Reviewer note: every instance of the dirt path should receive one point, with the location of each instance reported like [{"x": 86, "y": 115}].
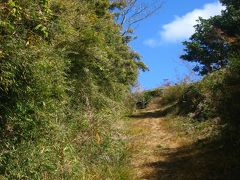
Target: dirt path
[
  {"x": 151, "y": 143},
  {"x": 170, "y": 149}
]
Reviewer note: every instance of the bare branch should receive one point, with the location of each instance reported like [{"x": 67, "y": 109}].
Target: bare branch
[{"x": 134, "y": 11}]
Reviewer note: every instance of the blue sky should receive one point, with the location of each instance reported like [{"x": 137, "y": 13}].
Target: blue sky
[{"x": 160, "y": 36}]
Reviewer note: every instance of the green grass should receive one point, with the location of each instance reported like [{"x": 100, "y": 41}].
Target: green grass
[{"x": 191, "y": 129}]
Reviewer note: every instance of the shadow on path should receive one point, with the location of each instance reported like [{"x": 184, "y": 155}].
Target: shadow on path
[
  {"x": 196, "y": 162},
  {"x": 155, "y": 114},
  {"x": 203, "y": 160}
]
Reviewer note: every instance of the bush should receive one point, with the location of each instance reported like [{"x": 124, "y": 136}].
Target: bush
[
  {"x": 190, "y": 100},
  {"x": 141, "y": 100},
  {"x": 216, "y": 95},
  {"x": 65, "y": 71},
  {"x": 172, "y": 94},
  {"x": 222, "y": 91}
]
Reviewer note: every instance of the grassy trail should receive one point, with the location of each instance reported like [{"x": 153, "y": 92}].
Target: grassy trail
[
  {"x": 163, "y": 152},
  {"x": 151, "y": 142}
]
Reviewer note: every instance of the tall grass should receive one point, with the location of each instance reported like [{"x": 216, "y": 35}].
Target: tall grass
[{"x": 64, "y": 74}]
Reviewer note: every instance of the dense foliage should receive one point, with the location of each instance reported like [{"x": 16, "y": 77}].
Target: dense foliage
[
  {"x": 215, "y": 40},
  {"x": 215, "y": 47},
  {"x": 65, "y": 71}
]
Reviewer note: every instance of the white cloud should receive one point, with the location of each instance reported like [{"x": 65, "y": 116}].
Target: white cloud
[{"x": 182, "y": 27}]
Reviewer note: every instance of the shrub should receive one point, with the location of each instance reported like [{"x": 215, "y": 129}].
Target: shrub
[
  {"x": 190, "y": 99},
  {"x": 65, "y": 70},
  {"x": 142, "y": 99},
  {"x": 172, "y": 94},
  {"x": 216, "y": 95},
  {"x": 222, "y": 90}
]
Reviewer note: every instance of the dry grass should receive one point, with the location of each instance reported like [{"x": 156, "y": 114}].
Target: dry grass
[
  {"x": 147, "y": 136},
  {"x": 170, "y": 148}
]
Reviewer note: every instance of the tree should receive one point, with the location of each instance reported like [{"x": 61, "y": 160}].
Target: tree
[
  {"x": 214, "y": 40},
  {"x": 206, "y": 48},
  {"x": 233, "y": 3},
  {"x": 130, "y": 12}
]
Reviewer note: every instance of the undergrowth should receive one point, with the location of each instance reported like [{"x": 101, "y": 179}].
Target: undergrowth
[{"x": 65, "y": 72}]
